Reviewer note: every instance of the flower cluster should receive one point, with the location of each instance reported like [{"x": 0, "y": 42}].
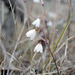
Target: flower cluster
[{"x": 32, "y": 33}]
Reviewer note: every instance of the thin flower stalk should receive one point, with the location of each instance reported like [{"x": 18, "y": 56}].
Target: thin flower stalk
[{"x": 50, "y": 51}]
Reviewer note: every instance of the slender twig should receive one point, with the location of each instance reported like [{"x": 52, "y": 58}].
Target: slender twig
[
  {"x": 64, "y": 44},
  {"x": 54, "y": 26},
  {"x": 43, "y": 33},
  {"x": 53, "y": 59},
  {"x": 50, "y": 51},
  {"x": 69, "y": 14},
  {"x": 12, "y": 12},
  {"x": 2, "y": 18},
  {"x": 18, "y": 40}
]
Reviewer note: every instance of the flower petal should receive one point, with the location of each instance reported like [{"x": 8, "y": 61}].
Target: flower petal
[
  {"x": 41, "y": 49},
  {"x": 31, "y": 34},
  {"x": 36, "y": 22},
  {"x": 38, "y": 48}
]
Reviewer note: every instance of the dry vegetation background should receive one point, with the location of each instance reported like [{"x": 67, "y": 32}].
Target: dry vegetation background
[{"x": 16, "y": 50}]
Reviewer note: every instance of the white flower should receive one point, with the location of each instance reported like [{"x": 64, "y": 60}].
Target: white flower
[
  {"x": 38, "y": 48},
  {"x": 31, "y": 34},
  {"x": 36, "y": 22},
  {"x": 36, "y": 1}
]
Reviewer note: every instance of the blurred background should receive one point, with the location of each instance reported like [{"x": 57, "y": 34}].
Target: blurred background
[{"x": 16, "y": 50}]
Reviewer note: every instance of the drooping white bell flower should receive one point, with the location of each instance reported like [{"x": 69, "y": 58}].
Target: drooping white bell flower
[
  {"x": 36, "y": 23},
  {"x": 38, "y": 48},
  {"x": 31, "y": 34}
]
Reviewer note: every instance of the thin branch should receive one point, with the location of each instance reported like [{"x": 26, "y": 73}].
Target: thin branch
[{"x": 50, "y": 52}]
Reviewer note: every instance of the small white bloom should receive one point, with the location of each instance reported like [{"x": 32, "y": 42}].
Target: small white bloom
[
  {"x": 36, "y": 22},
  {"x": 36, "y": 1},
  {"x": 31, "y": 34},
  {"x": 38, "y": 48}
]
